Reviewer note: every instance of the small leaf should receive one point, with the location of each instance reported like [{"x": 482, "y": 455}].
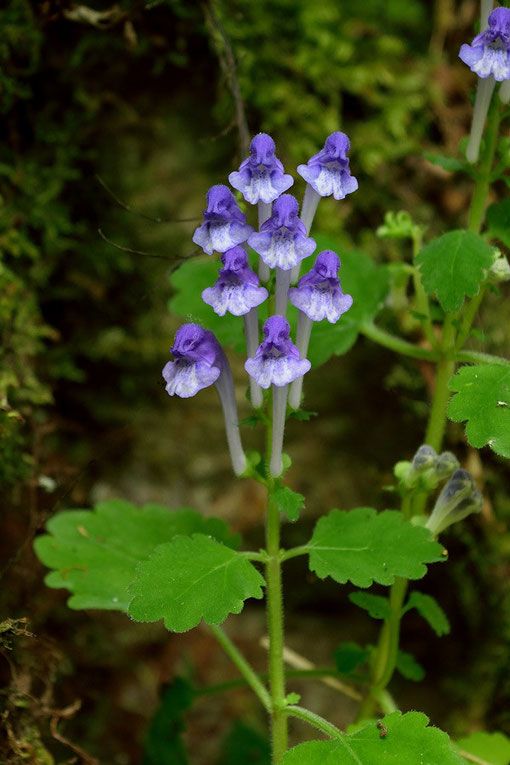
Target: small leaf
[
  {"x": 429, "y": 608},
  {"x": 292, "y": 698},
  {"x": 453, "y": 266},
  {"x": 163, "y": 742},
  {"x": 288, "y": 501},
  {"x": 492, "y": 748},
  {"x": 302, "y": 414},
  {"x": 409, "y": 667},
  {"x": 447, "y": 163},
  {"x": 498, "y": 221},
  {"x": 408, "y": 739},
  {"x": 348, "y": 656},
  {"x": 94, "y": 553},
  {"x": 377, "y": 606},
  {"x": 244, "y": 745},
  {"x": 192, "y": 578},
  {"x": 364, "y": 546},
  {"x": 483, "y": 399}
]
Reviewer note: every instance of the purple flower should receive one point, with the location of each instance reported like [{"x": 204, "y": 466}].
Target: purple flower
[
  {"x": 198, "y": 363},
  {"x": 318, "y": 293},
  {"x": 224, "y": 224},
  {"x": 277, "y": 360},
  {"x": 328, "y": 171},
  {"x": 236, "y": 289},
  {"x": 282, "y": 241},
  {"x": 261, "y": 177},
  {"x": 489, "y": 53}
]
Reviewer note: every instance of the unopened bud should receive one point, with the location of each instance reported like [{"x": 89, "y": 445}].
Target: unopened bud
[
  {"x": 458, "y": 499},
  {"x": 446, "y": 464},
  {"x": 424, "y": 459},
  {"x": 500, "y": 270}
]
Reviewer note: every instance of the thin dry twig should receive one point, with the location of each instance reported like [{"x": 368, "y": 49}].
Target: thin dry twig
[
  {"x": 141, "y": 214},
  {"x": 66, "y": 713},
  {"x": 297, "y": 661},
  {"x": 229, "y": 68}
]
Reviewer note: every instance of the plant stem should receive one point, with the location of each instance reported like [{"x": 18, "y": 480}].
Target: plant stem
[
  {"x": 244, "y": 668},
  {"x": 483, "y": 176},
  {"x": 445, "y": 369},
  {"x": 294, "y": 552},
  {"x": 397, "y": 344},
  {"x": 275, "y": 631},
  {"x": 316, "y": 720},
  {"x": 302, "y": 674}
]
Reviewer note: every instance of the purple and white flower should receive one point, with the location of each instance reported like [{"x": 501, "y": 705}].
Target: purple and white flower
[
  {"x": 277, "y": 360},
  {"x": 328, "y": 171},
  {"x": 200, "y": 362},
  {"x": 224, "y": 224},
  {"x": 236, "y": 289},
  {"x": 319, "y": 294},
  {"x": 489, "y": 53},
  {"x": 282, "y": 241},
  {"x": 261, "y": 177}
]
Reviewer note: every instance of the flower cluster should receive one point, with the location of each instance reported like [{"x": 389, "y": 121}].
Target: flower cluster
[{"x": 281, "y": 242}]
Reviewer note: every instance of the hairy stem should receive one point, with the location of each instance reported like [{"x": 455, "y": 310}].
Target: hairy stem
[
  {"x": 244, "y": 668},
  {"x": 316, "y": 720}
]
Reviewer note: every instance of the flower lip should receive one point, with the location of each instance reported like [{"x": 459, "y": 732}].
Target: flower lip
[
  {"x": 235, "y": 262},
  {"x": 277, "y": 360},
  {"x": 194, "y": 343},
  {"x": 285, "y": 213},
  {"x": 327, "y": 172},
  {"x": 489, "y": 52},
  {"x": 261, "y": 177},
  {"x": 499, "y": 24},
  {"x": 222, "y": 205},
  {"x": 262, "y": 148},
  {"x": 327, "y": 264}
]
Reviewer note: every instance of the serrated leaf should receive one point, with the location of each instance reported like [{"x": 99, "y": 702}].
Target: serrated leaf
[
  {"x": 409, "y": 667},
  {"x": 348, "y": 656},
  {"x": 192, "y": 578},
  {"x": 498, "y": 221},
  {"x": 95, "y": 552},
  {"x": 163, "y": 742},
  {"x": 288, "y": 501},
  {"x": 408, "y": 739},
  {"x": 447, "y": 163},
  {"x": 429, "y": 608},
  {"x": 245, "y": 745},
  {"x": 377, "y": 606},
  {"x": 363, "y": 546},
  {"x": 492, "y": 748},
  {"x": 483, "y": 400},
  {"x": 453, "y": 266}
]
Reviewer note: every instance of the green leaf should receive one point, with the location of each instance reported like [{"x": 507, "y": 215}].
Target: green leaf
[
  {"x": 163, "y": 742},
  {"x": 368, "y": 285},
  {"x": 429, "y": 608},
  {"x": 288, "y": 501},
  {"x": 364, "y": 546},
  {"x": 447, "y": 163},
  {"x": 409, "y": 667},
  {"x": 405, "y": 739},
  {"x": 492, "y": 748},
  {"x": 498, "y": 221},
  {"x": 483, "y": 400},
  {"x": 244, "y": 745},
  {"x": 453, "y": 266},
  {"x": 377, "y": 606},
  {"x": 94, "y": 553},
  {"x": 348, "y": 656},
  {"x": 192, "y": 578}
]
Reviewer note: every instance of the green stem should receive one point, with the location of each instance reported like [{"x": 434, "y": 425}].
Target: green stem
[
  {"x": 316, "y": 720},
  {"x": 483, "y": 175},
  {"x": 422, "y": 299},
  {"x": 445, "y": 370},
  {"x": 397, "y": 344},
  {"x": 475, "y": 357},
  {"x": 244, "y": 668},
  {"x": 294, "y": 552},
  {"x": 469, "y": 316},
  {"x": 301, "y": 674}
]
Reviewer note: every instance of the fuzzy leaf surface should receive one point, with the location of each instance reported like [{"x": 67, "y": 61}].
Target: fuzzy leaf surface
[
  {"x": 192, "y": 578},
  {"x": 363, "y": 546},
  {"x": 483, "y": 400},
  {"x": 409, "y": 739},
  {"x": 492, "y": 748},
  {"x": 377, "y": 606},
  {"x": 94, "y": 553},
  {"x": 288, "y": 501},
  {"x": 453, "y": 265},
  {"x": 429, "y": 608}
]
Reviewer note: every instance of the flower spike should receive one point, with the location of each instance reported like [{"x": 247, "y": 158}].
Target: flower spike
[
  {"x": 224, "y": 224},
  {"x": 261, "y": 177},
  {"x": 200, "y": 362}
]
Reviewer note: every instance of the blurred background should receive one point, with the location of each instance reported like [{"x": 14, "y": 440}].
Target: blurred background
[{"x": 145, "y": 105}]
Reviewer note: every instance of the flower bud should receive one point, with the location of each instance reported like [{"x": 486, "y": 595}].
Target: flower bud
[
  {"x": 458, "y": 499},
  {"x": 446, "y": 464}
]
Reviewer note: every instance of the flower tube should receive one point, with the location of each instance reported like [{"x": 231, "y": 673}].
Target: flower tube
[
  {"x": 200, "y": 362},
  {"x": 318, "y": 296},
  {"x": 237, "y": 291},
  {"x": 261, "y": 179},
  {"x": 277, "y": 362},
  {"x": 282, "y": 244},
  {"x": 458, "y": 499},
  {"x": 224, "y": 224},
  {"x": 326, "y": 173},
  {"x": 488, "y": 56}
]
